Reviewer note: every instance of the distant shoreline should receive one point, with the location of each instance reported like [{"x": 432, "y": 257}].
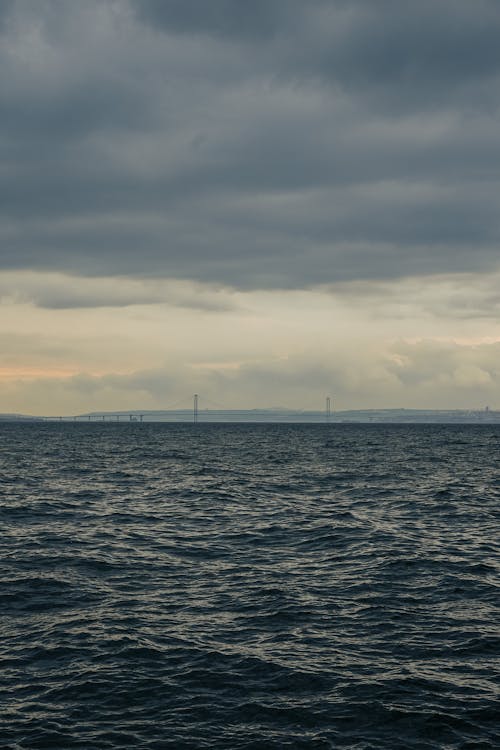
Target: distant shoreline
[{"x": 359, "y": 416}]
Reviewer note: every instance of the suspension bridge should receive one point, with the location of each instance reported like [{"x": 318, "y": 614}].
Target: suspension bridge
[{"x": 196, "y": 409}]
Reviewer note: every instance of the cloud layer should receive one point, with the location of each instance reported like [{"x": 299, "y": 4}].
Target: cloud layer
[
  {"x": 274, "y": 144},
  {"x": 71, "y": 344},
  {"x": 404, "y": 375},
  {"x": 262, "y": 201}
]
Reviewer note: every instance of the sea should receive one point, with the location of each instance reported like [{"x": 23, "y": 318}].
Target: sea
[{"x": 249, "y": 586}]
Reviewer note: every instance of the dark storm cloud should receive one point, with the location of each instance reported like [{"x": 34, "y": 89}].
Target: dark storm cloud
[
  {"x": 5, "y": 9},
  {"x": 421, "y": 50},
  {"x": 254, "y": 20},
  {"x": 409, "y": 54},
  {"x": 269, "y": 144}
]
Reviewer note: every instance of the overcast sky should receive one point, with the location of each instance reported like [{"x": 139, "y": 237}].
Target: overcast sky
[{"x": 266, "y": 202}]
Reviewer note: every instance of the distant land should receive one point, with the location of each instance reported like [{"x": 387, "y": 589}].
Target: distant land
[{"x": 460, "y": 416}]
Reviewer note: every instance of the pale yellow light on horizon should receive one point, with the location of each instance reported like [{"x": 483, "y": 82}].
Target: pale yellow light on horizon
[{"x": 406, "y": 342}]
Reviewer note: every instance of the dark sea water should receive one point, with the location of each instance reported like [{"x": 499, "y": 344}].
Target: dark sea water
[{"x": 249, "y": 586}]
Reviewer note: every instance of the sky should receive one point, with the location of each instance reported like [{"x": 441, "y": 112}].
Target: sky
[{"x": 264, "y": 202}]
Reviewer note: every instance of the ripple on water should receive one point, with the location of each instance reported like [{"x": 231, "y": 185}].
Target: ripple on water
[{"x": 249, "y": 586}]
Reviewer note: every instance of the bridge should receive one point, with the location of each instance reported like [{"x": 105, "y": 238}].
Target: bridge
[{"x": 211, "y": 411}]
